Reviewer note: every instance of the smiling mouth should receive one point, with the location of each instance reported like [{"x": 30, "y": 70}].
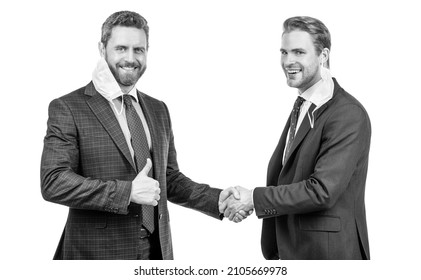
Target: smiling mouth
[
  {"x": 293, "y": 71},
  {"x": 127, "y": 68}
]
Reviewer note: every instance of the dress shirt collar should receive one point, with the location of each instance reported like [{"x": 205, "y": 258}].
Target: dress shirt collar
[{"x": 322, "y": 91}]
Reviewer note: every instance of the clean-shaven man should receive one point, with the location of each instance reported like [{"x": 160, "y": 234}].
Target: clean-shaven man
[{"x": 313, "y": 206}]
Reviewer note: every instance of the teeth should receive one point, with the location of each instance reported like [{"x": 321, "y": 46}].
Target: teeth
[
  {"x": 128, "y": 68},
  {"x": 293, "y": 71}
]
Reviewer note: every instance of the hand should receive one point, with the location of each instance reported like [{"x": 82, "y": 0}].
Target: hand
[
  {"x": 145, "y": 190},
  {"x": 227, "y": 193},
  {"x": 226, "y": 199},
  {"x": 241, "y": 215}
]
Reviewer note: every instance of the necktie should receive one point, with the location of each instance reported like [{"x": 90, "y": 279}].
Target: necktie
[
  {"x": 293, "y": 124},
  {"x": 141, "y": 153}
]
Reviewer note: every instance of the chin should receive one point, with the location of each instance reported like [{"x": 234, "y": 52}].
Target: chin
[
  {"x": 293, "y": 84},
  {"x": 128, "y": 81}
]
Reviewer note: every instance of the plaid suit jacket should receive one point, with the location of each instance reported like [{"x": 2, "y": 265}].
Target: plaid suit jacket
[{"x": 86, "y": 165}]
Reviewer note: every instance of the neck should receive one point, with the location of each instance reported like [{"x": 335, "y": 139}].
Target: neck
[
  {"x": 301, "y": 90},
  {"x": 126, "y": 89}
]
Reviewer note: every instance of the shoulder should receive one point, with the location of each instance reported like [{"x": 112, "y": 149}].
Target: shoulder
[
  {"x": 345, "y": 103},
  {"x": 345, "y": 115},
  {"x": 153, "y": 103},
  {"x": 149, "y": 99},
  {"x": 79, "y": 94},
  {"x": 72, "y": 102},
  {"x": 156, "y": 109},
  {"x": 88, "y": 89}
]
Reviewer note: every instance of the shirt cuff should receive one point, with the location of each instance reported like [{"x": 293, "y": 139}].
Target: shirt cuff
[{"x": 252, "y": 199}]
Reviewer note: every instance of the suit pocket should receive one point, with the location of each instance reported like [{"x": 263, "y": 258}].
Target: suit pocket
[{"x": 320, "y": 223}]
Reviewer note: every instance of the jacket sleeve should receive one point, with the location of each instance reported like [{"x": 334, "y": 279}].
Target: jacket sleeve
[
  {"x": 345, "y": 138},
  {"x": 185, "y": 192},
  {"x": 60, "y": 169}
]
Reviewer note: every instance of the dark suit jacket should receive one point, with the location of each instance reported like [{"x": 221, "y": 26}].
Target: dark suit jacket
[
  {"x": 86, "y": 165},
  {"x": 313, "y": 207}
]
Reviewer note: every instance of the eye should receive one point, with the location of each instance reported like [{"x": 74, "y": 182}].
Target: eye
[
  {"x": 299, "y": 52},
  {"x": 120, "y": 48},
  {"x": 139, "y": 50},
  {"x": 283, "y": 52}
]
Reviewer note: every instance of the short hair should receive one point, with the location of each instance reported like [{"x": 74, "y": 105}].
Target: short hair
[
  {"x": 313, "y": 26},
  {"x": 123, "y": 18}
]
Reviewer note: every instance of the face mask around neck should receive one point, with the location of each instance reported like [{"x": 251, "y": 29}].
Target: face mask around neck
[{"x": 106, "y": 84}]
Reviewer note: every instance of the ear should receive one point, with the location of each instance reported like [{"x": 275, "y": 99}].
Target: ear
[
  {"x": 101, "y": 49},
  {"x": 324, "y": 56}
]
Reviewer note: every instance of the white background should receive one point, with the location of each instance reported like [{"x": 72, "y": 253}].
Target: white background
[{"x": 216, "y": 64}]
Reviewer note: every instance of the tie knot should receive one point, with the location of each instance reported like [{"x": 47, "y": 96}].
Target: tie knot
[
  {"x": 298, "y": 102},
  {"x": 127, "y": 99}
]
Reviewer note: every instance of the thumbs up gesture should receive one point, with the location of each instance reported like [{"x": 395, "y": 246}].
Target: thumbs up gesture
[{"x": 145, "y": 190}]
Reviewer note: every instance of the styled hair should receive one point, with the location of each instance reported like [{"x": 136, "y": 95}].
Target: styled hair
[
  {"x": 316, "y": 28},
  {"x": 123, "y": 18}
]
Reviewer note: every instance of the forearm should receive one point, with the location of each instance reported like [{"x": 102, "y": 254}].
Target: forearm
[
  {"x": 62, "y": 178},
  {"x": 302, "y": 197},
  {"x": 70, "y": 189},
  {"x": 185, "y": 192},
  {"x": 335, "y": 163}
]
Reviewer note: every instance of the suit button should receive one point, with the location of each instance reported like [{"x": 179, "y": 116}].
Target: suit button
[{"x": 136, "y": 215}]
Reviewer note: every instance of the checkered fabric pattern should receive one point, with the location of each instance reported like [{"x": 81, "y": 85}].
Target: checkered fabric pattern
[{"x": 86, "y": 165}]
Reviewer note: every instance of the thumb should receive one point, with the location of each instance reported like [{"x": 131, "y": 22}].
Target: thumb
[
  {"x": 236, "y": 192},
  {"x": 222, "y": 206},
  {"x": 224, "y": 195},
  {"x": 228, "y": 192},
  {"x": 147, "y": 167}
]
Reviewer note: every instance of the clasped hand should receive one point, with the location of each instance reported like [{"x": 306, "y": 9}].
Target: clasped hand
[{"x": 236, "y": 203}]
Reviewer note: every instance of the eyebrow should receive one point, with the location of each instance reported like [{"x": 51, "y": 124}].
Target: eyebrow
[
  {"x": 294, "y": 50},
  {"x": 134, "y": 47}
]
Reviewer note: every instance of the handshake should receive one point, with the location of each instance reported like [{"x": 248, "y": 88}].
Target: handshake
[{"x": 236, "y": 203}]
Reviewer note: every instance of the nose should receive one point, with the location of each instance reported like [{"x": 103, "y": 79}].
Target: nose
[
  {"x": 130, "y": 56},
  {"x": 287, "y": 59}
]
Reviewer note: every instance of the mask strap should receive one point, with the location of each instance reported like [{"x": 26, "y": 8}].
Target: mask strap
[
  {"x": 311, "y": 118},
  {"x": 122, "y": 106}
]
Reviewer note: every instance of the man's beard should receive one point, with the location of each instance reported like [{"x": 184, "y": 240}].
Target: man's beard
[{"x": 127, "y": 78}]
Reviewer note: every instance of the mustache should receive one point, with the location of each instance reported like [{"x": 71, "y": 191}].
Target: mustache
[{"x": 130, "y": 64}]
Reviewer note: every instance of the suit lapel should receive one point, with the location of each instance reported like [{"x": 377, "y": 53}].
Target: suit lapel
[
  {"x": 102, "y": 109},
  {"x": 275, "y": 163},
  {"x": 305, "y": 125},
  {"x": 302, "y": 131},
  {"x": 152, "y": 125}
]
